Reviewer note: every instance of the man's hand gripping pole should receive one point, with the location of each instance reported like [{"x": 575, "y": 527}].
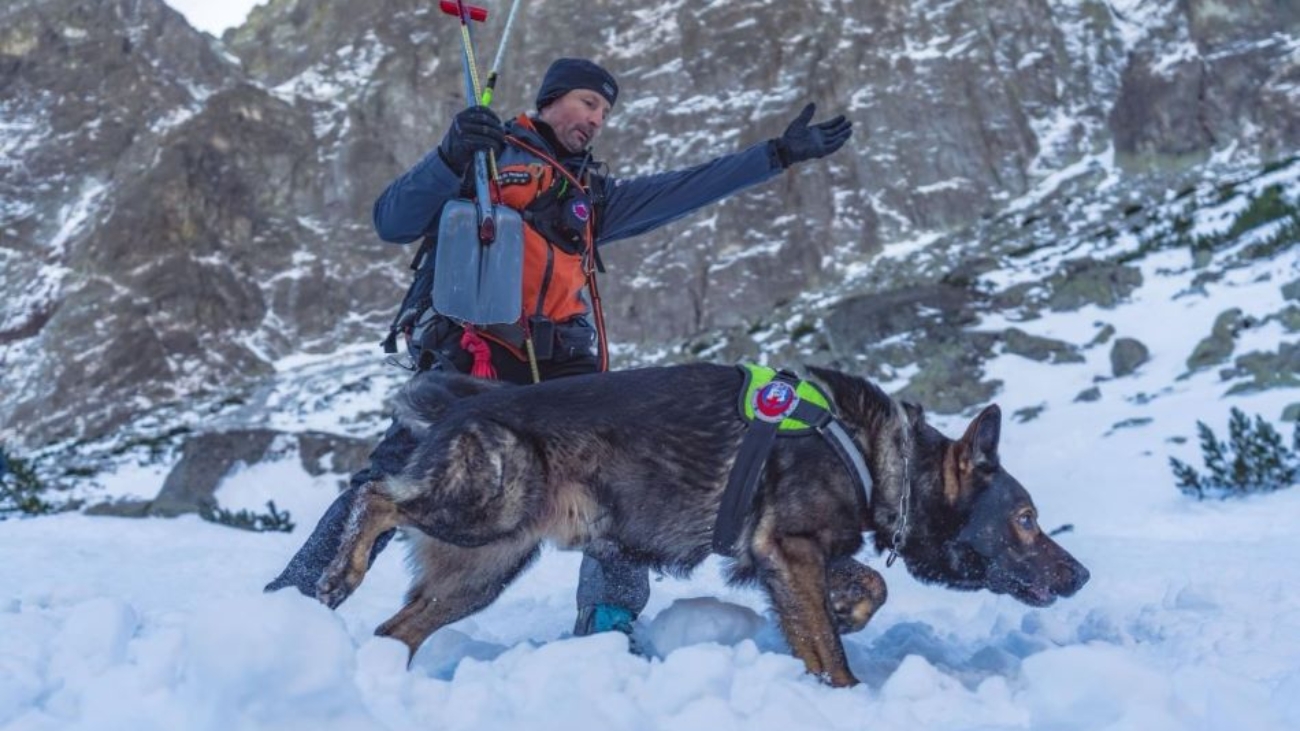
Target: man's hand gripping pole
[{"x": 470, "y": 13}]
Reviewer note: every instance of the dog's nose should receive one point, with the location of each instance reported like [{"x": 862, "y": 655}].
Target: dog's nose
[{"x": 1078, "y": 577}]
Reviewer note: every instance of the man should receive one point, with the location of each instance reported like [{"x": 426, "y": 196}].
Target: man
[{"x": 570, "y": 209}]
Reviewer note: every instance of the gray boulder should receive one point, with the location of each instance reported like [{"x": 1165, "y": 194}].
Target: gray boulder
[
  {"x": 1219, "y": 345},
  {"x": 205, "y": 461},
  {"x": 1126, "y": 355},
  {"x": 1043, "y": 350}
]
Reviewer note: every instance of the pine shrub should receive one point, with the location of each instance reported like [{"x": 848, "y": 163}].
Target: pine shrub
[
  {"x": 21, "y": 491},
  {"x": 1269, "y": 206},
  {"x": 1253, "y": 460},
  {"x": 271, "y": 521}
]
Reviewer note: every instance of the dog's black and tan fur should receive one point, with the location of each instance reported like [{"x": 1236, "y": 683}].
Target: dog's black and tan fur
[{"x": 636, "y": 461}]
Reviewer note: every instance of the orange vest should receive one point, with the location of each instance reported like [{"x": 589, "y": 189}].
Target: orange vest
[{"x": 553, "y": 278}]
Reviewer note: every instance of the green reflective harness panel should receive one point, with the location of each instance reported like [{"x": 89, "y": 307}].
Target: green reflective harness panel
[
  {"x": 758, "y": 377},
  {"x": 777, "y": 403}
]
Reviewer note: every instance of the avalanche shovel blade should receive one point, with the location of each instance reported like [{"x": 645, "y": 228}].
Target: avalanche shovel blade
[{"x": 482, "y": 284}]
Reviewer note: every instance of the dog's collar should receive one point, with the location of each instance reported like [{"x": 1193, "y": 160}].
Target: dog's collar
[
  {"x": 899, "y": 536},
  {"x": 779, "y": 403}
]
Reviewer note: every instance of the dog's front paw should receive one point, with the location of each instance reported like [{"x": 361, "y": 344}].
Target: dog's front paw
[
  {"x": 335, "y": 586},
  {"x": 854, "y": 592}
]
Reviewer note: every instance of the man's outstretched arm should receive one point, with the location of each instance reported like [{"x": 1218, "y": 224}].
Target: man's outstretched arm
[{"x": 637, "y": 205}]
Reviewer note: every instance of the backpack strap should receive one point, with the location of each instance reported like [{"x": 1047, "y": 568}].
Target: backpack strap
[{"x": 415, "y": 302}]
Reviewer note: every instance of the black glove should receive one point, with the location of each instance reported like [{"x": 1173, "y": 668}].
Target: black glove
[
  {"x": 474, "y": 129},
  {"x": 803, "y": 142}
]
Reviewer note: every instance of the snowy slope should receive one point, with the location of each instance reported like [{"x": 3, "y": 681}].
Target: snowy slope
[{"x": 1191, "y": 620}]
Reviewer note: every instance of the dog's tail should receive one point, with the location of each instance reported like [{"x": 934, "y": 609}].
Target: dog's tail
[{"x": 425, "y": 399}]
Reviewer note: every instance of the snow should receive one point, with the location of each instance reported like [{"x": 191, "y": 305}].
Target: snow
[
  {"x": 1191, "y": 620},
  {"x": 1046, "y": 187},
  {"x": 212, "y": 17},
  {"x": 75, "y": 215},
  {"x": 648, "y": 30},
  {"x": 244, "y": 488},
  {"x": 956, "y": 183},
  {"x": 1136, "y": 19},
  {"x": 1183, "y": 53},
  {"x": 133, "y": 481},
  {"x": 180, "y": 115},
  {"x": 113, "y": 623},
  {"x": 331, "y": 80}
]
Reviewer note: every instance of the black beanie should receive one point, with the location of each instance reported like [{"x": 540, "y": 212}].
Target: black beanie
[{"x": 567, "y": 74}]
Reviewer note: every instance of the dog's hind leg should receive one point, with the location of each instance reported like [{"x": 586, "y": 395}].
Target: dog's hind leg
[
  {"x": 372, "y": 513},
  {"x": 454, "y": 582},
  {"x": 793, "y": 570},
  {"x": 855, "y": 592}
]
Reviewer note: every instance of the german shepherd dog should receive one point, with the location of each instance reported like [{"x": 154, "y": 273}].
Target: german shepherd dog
[{"x": 637, "y": 461}]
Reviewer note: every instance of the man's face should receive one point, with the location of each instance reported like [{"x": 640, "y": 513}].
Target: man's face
[{"x": 576, "y": 117}]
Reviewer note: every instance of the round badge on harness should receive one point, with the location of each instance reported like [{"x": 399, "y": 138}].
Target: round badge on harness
[{"x": 775, "y": 401}]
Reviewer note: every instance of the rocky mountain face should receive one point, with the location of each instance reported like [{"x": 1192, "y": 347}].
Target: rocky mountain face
[{"x": 179, "y": 214}]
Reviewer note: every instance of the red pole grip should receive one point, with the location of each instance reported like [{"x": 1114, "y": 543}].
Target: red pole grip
[{"x": 451, "y": 7}]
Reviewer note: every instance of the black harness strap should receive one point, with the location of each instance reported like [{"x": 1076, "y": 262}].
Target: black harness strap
[{"x": 742, "y": 484}]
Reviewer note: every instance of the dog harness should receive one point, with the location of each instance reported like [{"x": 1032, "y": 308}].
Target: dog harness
[{"x": 778, "y": 403}]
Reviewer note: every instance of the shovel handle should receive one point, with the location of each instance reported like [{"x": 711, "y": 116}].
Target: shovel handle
[{"x": 487, "y": 229}]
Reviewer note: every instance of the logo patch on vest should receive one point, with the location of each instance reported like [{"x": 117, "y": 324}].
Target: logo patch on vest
[
  {"x": 580, "y": 210},
  {"x": 515, "y": 177},
  {"x": 774, "y": 401}
]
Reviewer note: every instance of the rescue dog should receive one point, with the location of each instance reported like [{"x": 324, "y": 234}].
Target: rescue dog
[{"x": 637, "y": 461}]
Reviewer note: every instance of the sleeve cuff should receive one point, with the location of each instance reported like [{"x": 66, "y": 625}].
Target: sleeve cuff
[{"x": 778, "y": 153}]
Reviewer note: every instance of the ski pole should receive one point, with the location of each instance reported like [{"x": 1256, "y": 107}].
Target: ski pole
[
  {"x": 501, "y": 52},
  {"x": 487, "y": 230}
]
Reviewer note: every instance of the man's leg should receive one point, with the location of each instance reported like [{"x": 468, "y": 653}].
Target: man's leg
[
  {"x": 612, "y": 591},
  {"x": 307, "y": 565},
  {"x": 612, "y": 588}
]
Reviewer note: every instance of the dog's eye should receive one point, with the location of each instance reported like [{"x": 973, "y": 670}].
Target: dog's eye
[{"x": 1026, "y": 521}]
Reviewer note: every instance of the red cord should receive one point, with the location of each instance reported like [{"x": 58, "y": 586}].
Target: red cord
[{"x": 476, "y": 346}]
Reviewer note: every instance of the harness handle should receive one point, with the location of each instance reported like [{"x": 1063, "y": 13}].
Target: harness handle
[{"x": 774, "y": 403}]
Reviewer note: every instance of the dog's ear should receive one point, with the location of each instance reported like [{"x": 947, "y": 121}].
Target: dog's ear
[
  {"x": 981, "y": 438},
  {"x": 976, "y": 452},
  {"x": 915, "y": 414},
  {"x": 841, "y": 385},
  {"x": 837, "y": 381},
  {"x": 855, "y": 396}
]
